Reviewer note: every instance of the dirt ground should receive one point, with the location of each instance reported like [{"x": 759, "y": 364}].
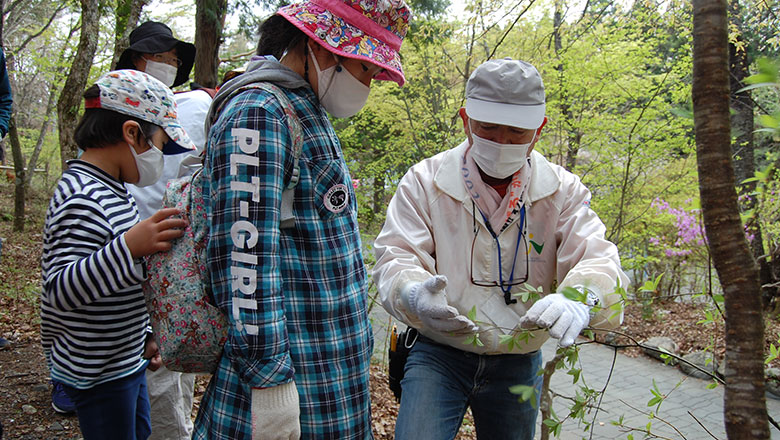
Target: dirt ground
[{"x": 25, "y": 405}]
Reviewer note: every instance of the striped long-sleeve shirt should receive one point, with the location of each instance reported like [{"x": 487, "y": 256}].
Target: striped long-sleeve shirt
[
  {"x": 93, "y": 316},
  {"x": 295, "y": 297}
]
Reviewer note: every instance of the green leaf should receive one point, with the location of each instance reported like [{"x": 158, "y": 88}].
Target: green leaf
[
  {"x": 574, "y": 294},
  {"x": 757, "y": 85},
  {"x": 682, "y": 112},
  {"x": 508, "y": 340},
  {"x": 526, "y": 393},
  {"x": 575, "y": 374},
  {"x": 769, "y": 121},
  {"x": 472, "y": 315},
  {"x": 767, "y": 73}
]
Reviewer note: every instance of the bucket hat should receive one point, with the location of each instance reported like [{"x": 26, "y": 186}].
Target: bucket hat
[
  {"x": 134, "y": 93},
  {"x": 155, "y": 37},
  {"x": 372, "y": 30},
  {"x": 506, "y": 92}
]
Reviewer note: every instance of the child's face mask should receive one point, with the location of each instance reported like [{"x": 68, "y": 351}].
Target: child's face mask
[{"x": 149, "y": 163}]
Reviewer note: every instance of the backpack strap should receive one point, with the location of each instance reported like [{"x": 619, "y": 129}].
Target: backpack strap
[{"x": 296, "y": 134}]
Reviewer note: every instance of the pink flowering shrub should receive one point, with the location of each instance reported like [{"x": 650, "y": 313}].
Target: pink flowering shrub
[
  {"x": 677, "y": 247},
  {"x": 689, "y": 231}
]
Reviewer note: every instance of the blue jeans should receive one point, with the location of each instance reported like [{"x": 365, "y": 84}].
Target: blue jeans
[
  {"x": 440, "y": 382},
  {"x": 118, "y": 409}
]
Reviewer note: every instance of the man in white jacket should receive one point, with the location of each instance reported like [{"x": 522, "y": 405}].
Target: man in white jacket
[{"x": 467, "y": 229}]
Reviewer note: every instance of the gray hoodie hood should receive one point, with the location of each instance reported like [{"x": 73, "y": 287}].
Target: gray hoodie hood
[{"x": 260, "y": 69}]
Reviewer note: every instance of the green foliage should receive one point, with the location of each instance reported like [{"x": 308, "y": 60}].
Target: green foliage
[
  {"x": 657, "y": 399},
  {"x": 767, "y": 77},
  {"x": 774, "y": 352},
  {"x": 473, "y": 339},
  {"x": 526, "y": 293},
  {"x": 527, "y": 393}
]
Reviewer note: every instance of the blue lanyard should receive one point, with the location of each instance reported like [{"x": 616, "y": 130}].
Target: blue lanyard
[{"x": 507, "y": 290}]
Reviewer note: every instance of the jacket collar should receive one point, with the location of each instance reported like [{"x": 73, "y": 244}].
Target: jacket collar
[{"x": 544, "y": 180}]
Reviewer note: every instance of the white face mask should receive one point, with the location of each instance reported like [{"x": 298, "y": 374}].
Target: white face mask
[
  {"x": 339, "y": 91},
  {"x": 163, "y": 72},
  {"x": 150, "y": 165},
  {"x": 499, "y": 160}
]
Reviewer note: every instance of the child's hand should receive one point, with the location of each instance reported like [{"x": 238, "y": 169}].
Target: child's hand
[
  {"x": 152, "y": 353},
  {"x": 155, "y": 233}
]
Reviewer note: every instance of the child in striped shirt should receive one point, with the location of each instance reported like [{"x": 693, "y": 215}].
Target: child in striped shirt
[{"x": 93, "y": 316}]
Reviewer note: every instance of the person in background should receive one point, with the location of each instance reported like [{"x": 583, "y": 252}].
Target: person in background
[
  {"x": 296, "y": 362},
  {"x": 154, "y": 50},
  {"x": 6, "y": 106},
  {"x": 93, "y": 314},
  {"x": 466, "y": 230}
]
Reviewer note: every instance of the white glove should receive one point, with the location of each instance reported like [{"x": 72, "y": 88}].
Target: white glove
[
  {"x": 276, "y": 413},
  {"x": 428, "y": 301},
  {"x": 565, "y": 318}
]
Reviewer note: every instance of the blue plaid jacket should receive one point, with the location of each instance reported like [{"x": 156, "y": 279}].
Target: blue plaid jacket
[{"x": 296, "y": 298}]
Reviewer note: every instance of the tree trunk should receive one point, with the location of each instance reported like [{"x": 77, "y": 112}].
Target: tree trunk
[
  {"x": 2, "y": 19},
  {"x": 209, "y": 22},
  {"x": 744, "y": 400},
  {"x": 127, "y": 14},
  {"x": 20, "y": 188},
  {"x": 743, "y": 146},
  {"x": 573, "y": 136},
  {"x": 70, "y": 98},
  {"x": 32, "y": 163}
]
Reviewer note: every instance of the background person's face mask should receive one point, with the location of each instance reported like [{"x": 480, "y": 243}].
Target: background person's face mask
[
  {"x": 339, "y": 91},
  {"x": 499, "y": 160},
  {"x": 150, "y": 165},
  {"x": 163, "y": 72}
]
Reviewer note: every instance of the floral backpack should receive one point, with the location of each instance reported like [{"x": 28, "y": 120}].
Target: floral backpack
[{"x": 190, "y": 330}]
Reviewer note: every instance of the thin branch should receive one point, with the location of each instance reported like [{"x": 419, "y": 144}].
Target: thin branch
[
  {"x": 13, "y": 6},
  {"x": 238, "y": 56},
  {"x": 501, "y": 41},
  {"x": 647, "y": 347},
  {"x": 603, "y": 390},
  {"x": 654, "y": 416},
  {"x": 702, "y": 425},
  {"x": 42, "y": 30}
]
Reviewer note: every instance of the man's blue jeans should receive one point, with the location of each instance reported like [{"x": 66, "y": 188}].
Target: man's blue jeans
[
  {"x": 441, "y": 382},
  {"x": 118, "y": 409}
]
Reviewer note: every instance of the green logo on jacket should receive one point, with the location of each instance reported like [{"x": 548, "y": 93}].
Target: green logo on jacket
[{"x": 537, "y": 246}]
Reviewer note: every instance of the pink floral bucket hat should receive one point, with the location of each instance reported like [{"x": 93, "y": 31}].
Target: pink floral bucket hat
[{"x": 361, "y": 29}]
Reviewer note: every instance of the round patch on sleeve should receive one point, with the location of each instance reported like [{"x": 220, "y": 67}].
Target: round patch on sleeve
[{"x": 336, "y": 198}]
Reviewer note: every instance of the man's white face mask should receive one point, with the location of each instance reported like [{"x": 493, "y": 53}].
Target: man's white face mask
[
  {"x": 339, "y": 91},
  {"x": 499, "y": 160},
  {"x": 161, "y": 71}
]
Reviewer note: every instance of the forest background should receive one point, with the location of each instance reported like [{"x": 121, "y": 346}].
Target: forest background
[{"x": 618, "y": 78}]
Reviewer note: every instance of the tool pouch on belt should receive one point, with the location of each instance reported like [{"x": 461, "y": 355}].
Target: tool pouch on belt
[{"x": 400, "y": 346}]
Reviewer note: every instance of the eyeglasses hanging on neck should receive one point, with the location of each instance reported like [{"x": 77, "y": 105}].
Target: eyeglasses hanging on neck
[{"x": 504, "y": 285}]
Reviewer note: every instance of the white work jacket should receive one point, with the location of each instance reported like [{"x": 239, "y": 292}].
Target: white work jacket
[{"x": 430, "y": 229}]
